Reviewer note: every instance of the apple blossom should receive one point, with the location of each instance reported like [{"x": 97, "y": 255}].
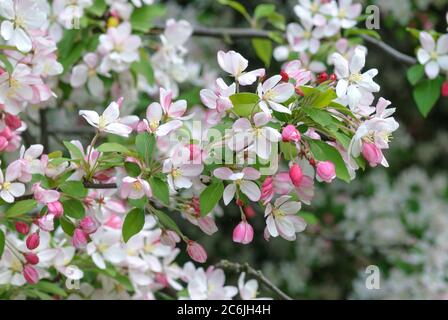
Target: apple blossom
[
  {"x": 234, "y": 63},
  {"x": 242, "y": 181},
  {"x": 9, "y": 189},
  {"x": 243, "y": 233},
  {"x": 290, "y": 134},
  {"x": 433, "y": 56},
  {"x": 296, "y": 174},
  {"x": 272, "y": 93},
  {"x": 325, "y": 171},
  {"x": 134, "y": 188},
  {"x": 109, "y": 121},
  {"x": 282, "y": 218}
]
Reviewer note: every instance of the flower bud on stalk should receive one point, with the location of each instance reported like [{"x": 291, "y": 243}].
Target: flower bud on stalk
[
  {"x": 243, "y": 233},
  {"x": 79, "y": 239},
  {"x": 196, "y": 251},
  {"x": 372, "y": 154},
  {"x": 290, "y": 133},
  {"x": 326, "y": 171},
  {"x": 30, "y": 274},
  {"x": 22, "y": 228},
  {"x": 31, "y": 258},
  {"x": 296, "y": 174},
  {"x": 55, "y": 208},
  {"x": 33, "y": 240},
  {"x": 445, "y": 89}
]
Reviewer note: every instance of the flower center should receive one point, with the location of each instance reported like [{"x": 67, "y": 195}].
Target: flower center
[
  {"x": 153, "y": 125},
  {"x": 176, "y": 173},
  {"x": 102, "y": 123},
  {"x": 6, "y": 186},
  {"x": 278, "y": 213},
  {"x": 137, "y": 186},
  {"x": 19, "y": 22},
  {"x": 342, "y": 13},
  {"x": 434, "y": 55},
  {"x": 355, "y": 77}
]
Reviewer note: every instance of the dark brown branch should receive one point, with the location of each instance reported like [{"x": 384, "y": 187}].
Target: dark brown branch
[
  {"x": 397, "y": 55},
  {"x": 238, "y": 268}
]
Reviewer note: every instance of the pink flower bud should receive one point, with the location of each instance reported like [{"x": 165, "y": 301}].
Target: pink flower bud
[
  {"x": 169, "y": 238},
  {"x": 55, "y": 208},
  {"x": 13, "y": 121},
  {"x": 31, "y": 258},
  {"x": 30, "y": 274},
  {"x": 44, "y": 196},
  {"x": 296, "y": 174},
  {"x": 249, "y": 211},
  {"x": 6, "y": 133},
  {"x": 267, "y": 190},
  {"x": 46, "y": 222},
  {"x": 114, "y": 222},
  {"x": 196, "y": 251},
  {"x": 326, "y": 171},
  {"x": 372, "y": 154},
  {"x": 445, "y": 89},
  {"x": 3, "y": 143},
  {"x": 88, "y": 225},
  {"x": 290, "y": 133},
  {"x": 33, "y": 240},
  {"x": 79, "y": 239},
  {"x": 243, "y": 233},
  {"x": 22, "y": 228}
]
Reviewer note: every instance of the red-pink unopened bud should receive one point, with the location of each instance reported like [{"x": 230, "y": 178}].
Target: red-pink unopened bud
[
  {"x": 296, "y": 174},
  {"x": 30, "y": 274},
  {"x": 55, "y": 208},
  {"x": 196, "y": 252},
  {"x": 33, "y": 240},
  {"x": 267, "y": 189},
  {"x": 88, "y": 225},
  {"x": 169, "y": 238},
  {"x": 22, "y": 228},
  {"x": 3, "y": 143},
  {"x": 79, "y": 239},
  {"x": 249, "y": 211},
  {"x": 6, "y": 133},
  {"x": 372, "y": 154},
  {"x": 13, "y": 121},
  {"x": 326, "y": 171},
  {"x": 31, "y": 258},
  {"x": 243, "y": 233},
  {"x": 445, "y": 89},
  {"x": 290, "y": 133}
]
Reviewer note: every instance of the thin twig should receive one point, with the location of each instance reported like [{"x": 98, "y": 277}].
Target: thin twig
[
  {"x": 391, "y": 51},
  {"x": 238, "y": 268},
  {"x": 201, "y": 31}
]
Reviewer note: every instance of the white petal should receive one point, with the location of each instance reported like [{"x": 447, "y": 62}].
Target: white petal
[{"x": 251, "y": 190}]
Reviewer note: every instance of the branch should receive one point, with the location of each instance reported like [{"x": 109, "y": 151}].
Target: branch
[
  {"x": 391, "y": 51},
  {"x": 238, "y": 268},
  {"x": 235, "y": 33},
  {"x": 88, "y": 185}
]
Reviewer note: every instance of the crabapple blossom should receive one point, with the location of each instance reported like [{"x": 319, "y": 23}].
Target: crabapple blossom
[
  {"x": 290, "y": 134},
  {"x": 242, "y": 181},
  {"x": 433, "y": 56},
  {"x": 243, "y": 233},
  {"x": 108, "y": 122},
  {"x": 234, "y": 63},
  {"x": 87, "y": 73},
  {"x": 304, "y": 37},
  {"x": 272, "y": 93},
  {"x": 134, "y": 188},
  {"x": 325, "y": 171},
  {"x": 343, "y": 15},
  {"x": 282, "y": 218},
  {"x": 196, "y": 252},
  {"x": 8, "y": 188}
]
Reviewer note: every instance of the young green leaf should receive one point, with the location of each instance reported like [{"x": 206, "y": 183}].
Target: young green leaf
[
  {"x": 112, "y": 147},
  {"x": 145, "y": 143},
  {"x": 67, "y": 226},
  {"x": 74, "y": 150},
  {"x": 2, "y": 243},
  {"x": 415, "y": 73},
  {"x": 245, "y": 103},
  {"x": 142, "y": 18},
  {"x": 74, "y": 188},
  {"x": 166, "y": 221},
  {"x": 132, "y": 169},
  {"x": 263, "y": 49},
  {"x": 426, "y": 94},
  {"x": 20, "y": 207},
  {"x": 210, "y": 197},
  {"x": 160, "y": 189},
  {"x": 133, "y": 223},
  {"x": 74, "y": 208}
]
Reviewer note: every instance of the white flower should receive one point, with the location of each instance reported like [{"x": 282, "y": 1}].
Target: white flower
[
  {"x": 272, "y": 94},
  {"x": 8, "y": 189},
  {"x": 20, "y": 18},
  {"x": 344, "y": 15},
  {"x": 262, "y": 135},
  {"x": 106, "y": 246},
  {"x": 282, "y": 218},
  {"x": 433, "y": 57},
  {"x": 304, "y": 37},
  {"x": 210, "y": 286},
  {"x": 119, "y": 47},
  {"x": 234, "y": 63},
  {"x": 248, "y": 290},
  {"x": 180, "y": 169},
  {"x": 87, "y": 73},
  {"x": 353, "y": 87},
  {"x": 109, "y": 121},
  {"x": 311, "y": 10},
  {"x": 243, "y": 180}
]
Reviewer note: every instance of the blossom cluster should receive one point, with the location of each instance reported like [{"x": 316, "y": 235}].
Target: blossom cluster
[{"x": 116, "y": 203}]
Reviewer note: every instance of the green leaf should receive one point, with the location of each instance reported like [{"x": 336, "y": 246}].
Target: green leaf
[
  {"x": 113, "y": 147},
  {"x": 2, "y": 243},
  {"x": 415, "y": 73},
  {"x": 166, "y": 221},
  {"x": 133, "y": 223},
  {"x": 289, "y": 150},
  {"x": 210, "y": 197},
  {"x": 67, "y": 226},
  {"x": 73, "y": 208},
  {"x": 426, "y": 94},
  {"x": 318, "y": 97},
  {"x": 98, "y": 8},
  {"x": 74, "y": 189},
  {"x": 309, "y": 217},
  {"x": 132, "y": 169},
  {"x": 263, "y": 49},
  {"x": 236, "y": 6},
  {"x": 160, "y": 189},
  {"x": 20, "y": 207},
  {"x": 145, "y": 143},
  {"x": 74, "y": 151},
  {"x": 51, "y": 288},
  {"x": 245, "y": 103},
  {"x": 319, "y": 116},
  {"x": 142, "y": 18},
  {"x": 324, "y": 152},
  {"x": 264, "y": 10}
]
